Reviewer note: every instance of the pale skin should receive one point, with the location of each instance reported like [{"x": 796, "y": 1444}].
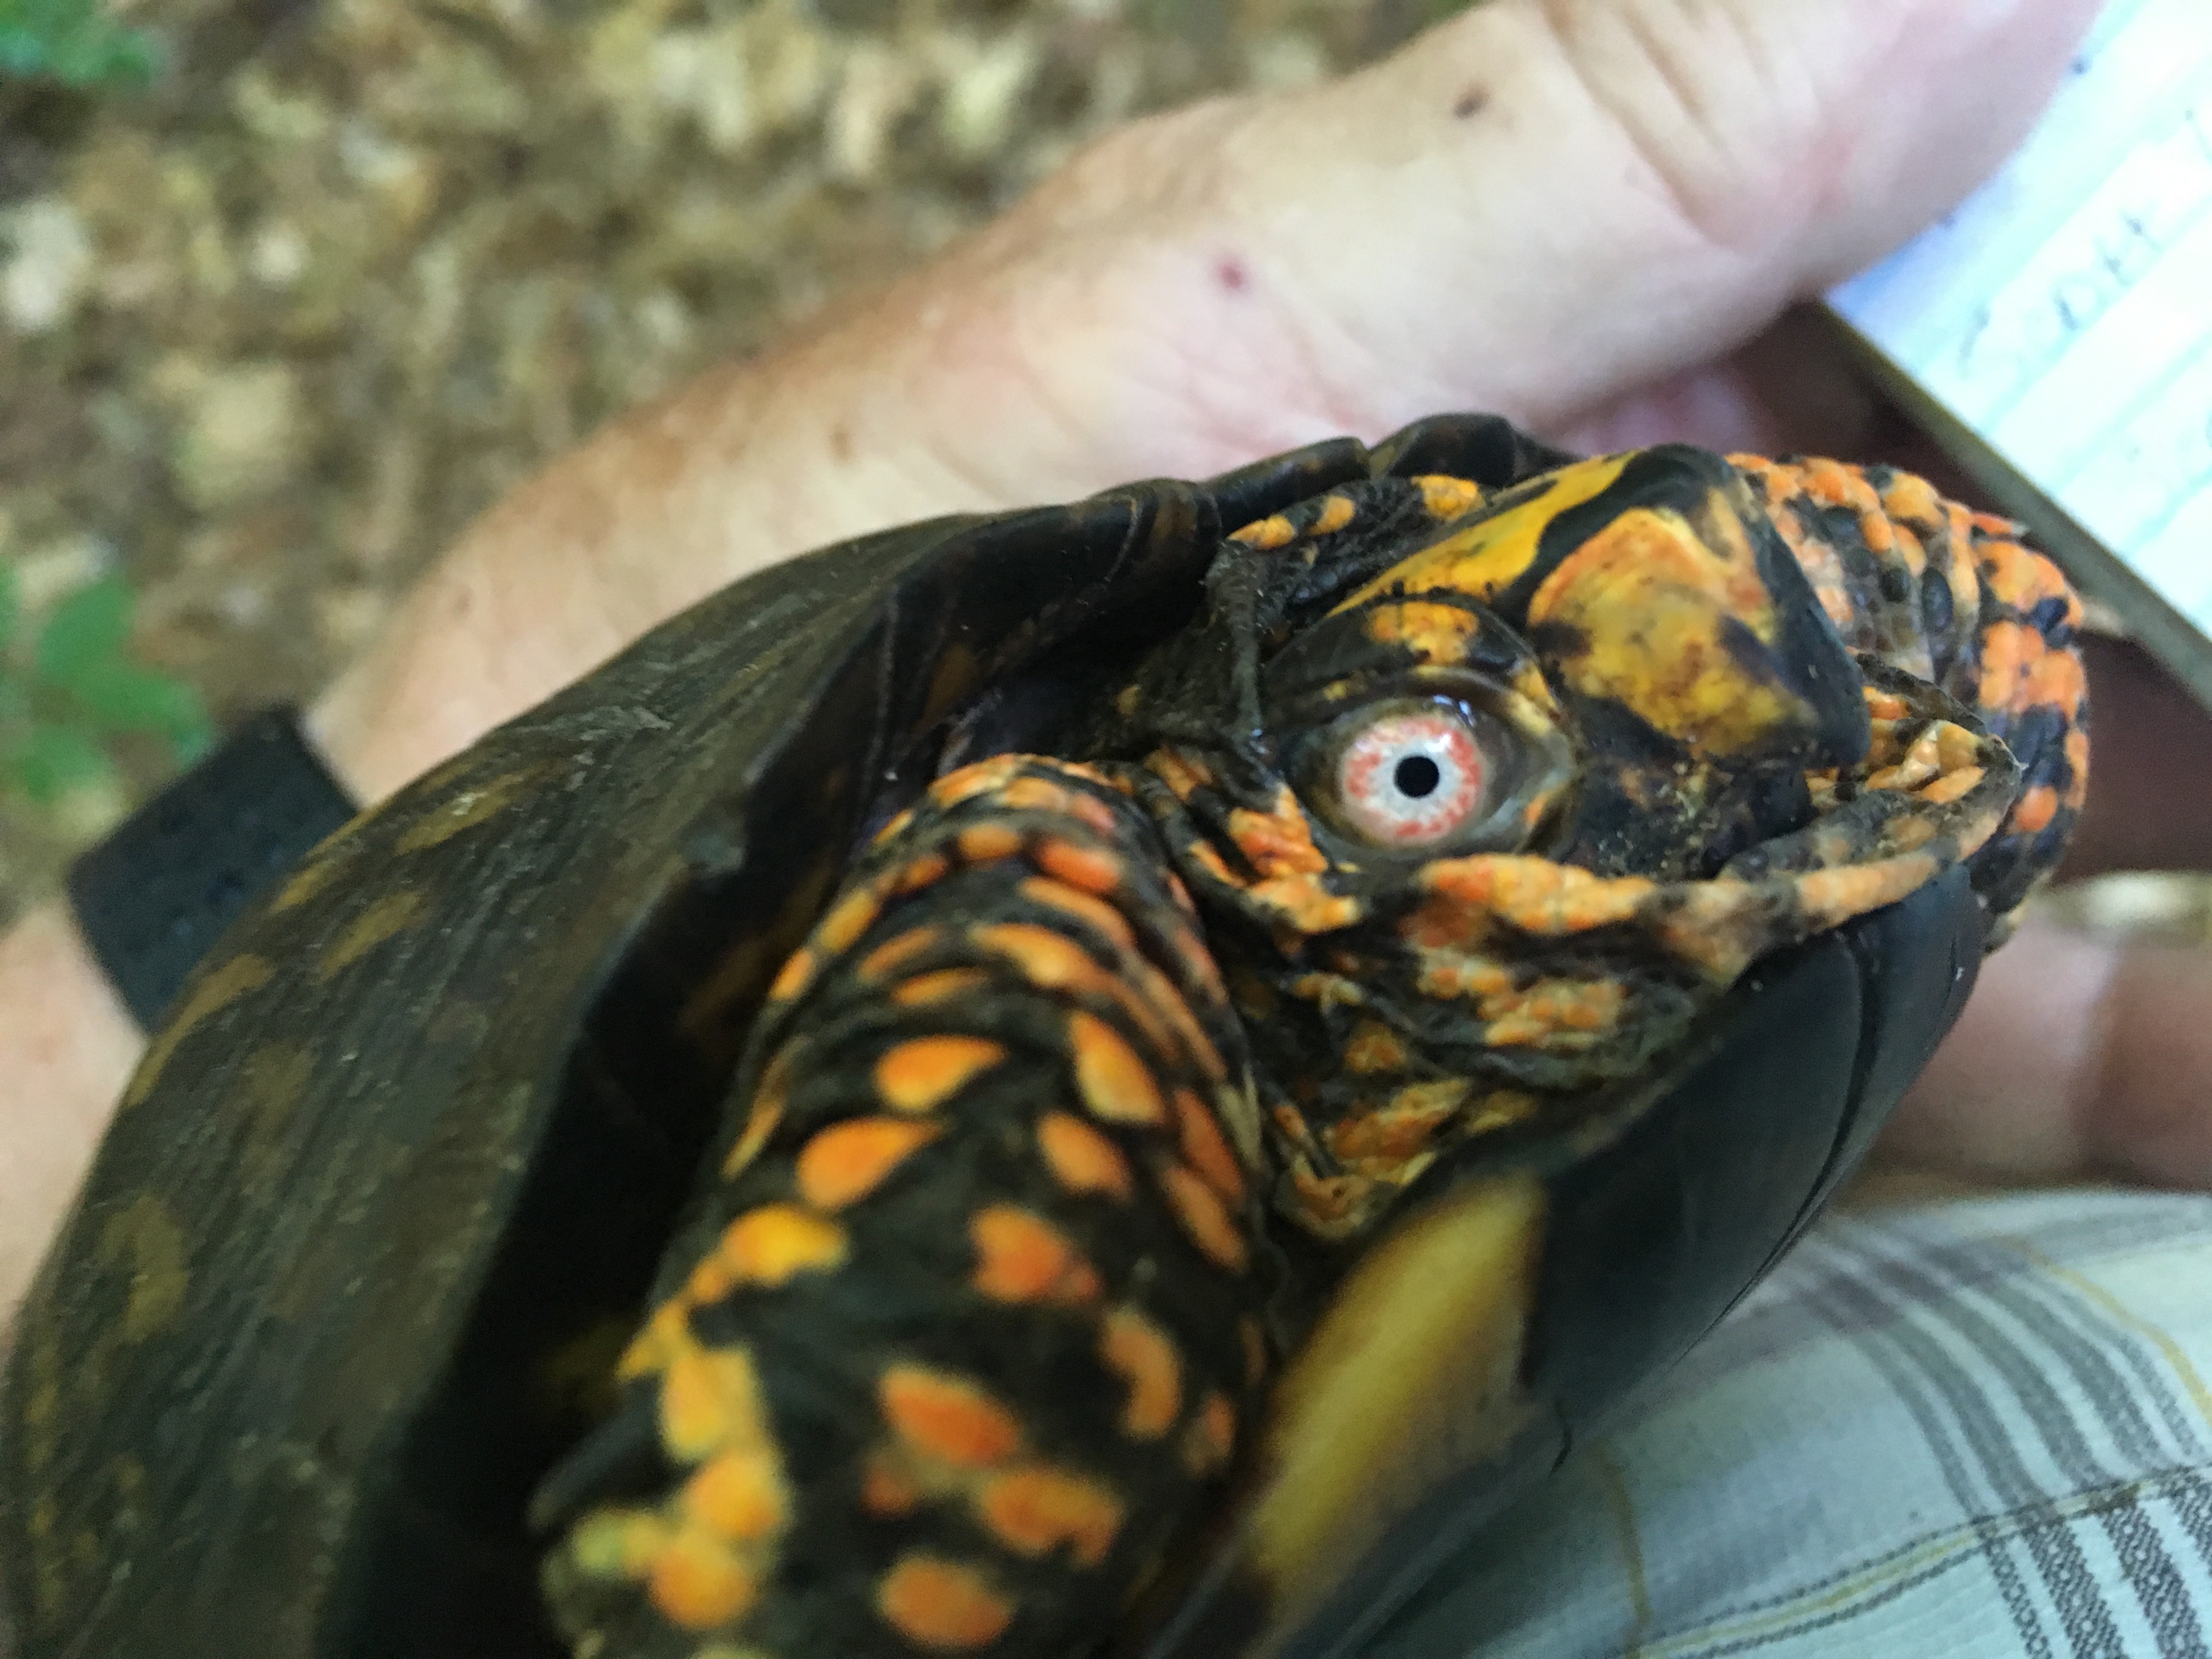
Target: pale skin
[{"x": 1572, "y": 211}]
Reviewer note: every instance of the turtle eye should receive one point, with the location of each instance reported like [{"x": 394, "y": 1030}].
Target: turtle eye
[{"x": 1408, "y": 774}]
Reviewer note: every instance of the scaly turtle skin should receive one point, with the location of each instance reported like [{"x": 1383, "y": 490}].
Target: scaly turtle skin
[{"x": 1330, "y": 1004}]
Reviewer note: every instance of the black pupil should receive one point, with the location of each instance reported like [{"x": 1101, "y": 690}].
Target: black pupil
[{"x": 1417, "y": 775}]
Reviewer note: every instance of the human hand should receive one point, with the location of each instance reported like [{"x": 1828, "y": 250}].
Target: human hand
[{"x": 1569, "y": 210}]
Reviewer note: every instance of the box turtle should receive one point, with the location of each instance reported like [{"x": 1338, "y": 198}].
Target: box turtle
[{"x": 1112, "y": 1077}]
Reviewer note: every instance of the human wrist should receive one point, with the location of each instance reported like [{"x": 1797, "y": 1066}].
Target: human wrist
[{"x": 69, "y": 1047}]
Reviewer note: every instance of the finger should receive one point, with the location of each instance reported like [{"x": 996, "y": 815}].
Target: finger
[
  {"x": 1793, "y": 389},
  {"x": 2078, "y": 1057},
  {"x": 1532, "y": 209}
]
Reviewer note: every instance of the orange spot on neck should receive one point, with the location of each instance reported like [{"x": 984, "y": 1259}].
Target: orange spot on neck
[
  {"x": 941, "y": 1605},
  {"x": 946, "y": 1416},
  {"x": 1022, "y": 1257},
  {"x": 921, "y": 1074},
  {"x": 847, "y": 1161}
]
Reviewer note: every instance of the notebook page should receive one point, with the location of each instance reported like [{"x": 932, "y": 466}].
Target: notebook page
[{"x": 2065, "y": 312}]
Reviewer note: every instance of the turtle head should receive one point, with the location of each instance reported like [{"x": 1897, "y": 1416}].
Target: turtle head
[{"x": 1484, "y": 809}]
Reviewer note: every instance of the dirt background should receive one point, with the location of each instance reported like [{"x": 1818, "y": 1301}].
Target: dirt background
[{"x": 272, "y": 330}]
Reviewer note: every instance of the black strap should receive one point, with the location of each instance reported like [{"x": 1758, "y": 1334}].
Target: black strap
[{"x": 152, "y": 899}]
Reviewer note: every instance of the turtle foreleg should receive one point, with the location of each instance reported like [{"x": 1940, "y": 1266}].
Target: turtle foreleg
[{"x": 965, "y": 1320}]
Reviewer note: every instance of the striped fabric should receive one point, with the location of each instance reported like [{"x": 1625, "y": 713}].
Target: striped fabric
[{"x": 1950, "y": 1430}]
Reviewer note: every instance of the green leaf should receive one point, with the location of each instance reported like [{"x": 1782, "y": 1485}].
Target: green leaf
[
  {"x": 72, "y": 41},
  {"x": 11, "y": 610},
  {"x": 122, "y": 696},
  {"x": 55, "y": 759},
  {"x": 86, "y": 635},
  {"x": 185, "y": 747}
]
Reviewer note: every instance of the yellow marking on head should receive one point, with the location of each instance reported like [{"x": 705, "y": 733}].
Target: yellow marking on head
[
  {"x": 1374, "y": 1046},
  {"x": 1184, "y": 774},
  {"x": 1563, "y": 1012},
  {"x": 1436, "y": 634},
  {"x": 1022, "y": 1257},
  {"x": 1534, "y": 895},
  {"x": 1279, "y": 842},
  {"x": 942, "y": 1605},
  {"x": 1486, "y": 555},
  {"x": 1336, "y": 512},
  {"x": 1830, "y": 898},
  {"x": 1141, "y": 1352},
  {"x": 1037, "y": 1510},
  {"x": 1267, "y": 534},
  {"x": 210, "y": 993},
  {"x": 1303, "y": 905},
  {"x": 1650, "y": 601},
  {"x": 1381, "y": 1140},
  {"x": 1447, "y": 497},
  {"x": 1950, "y": 786},
  {"x": 922, "y": 1074},
  {"x": 2023, "y": 579}
]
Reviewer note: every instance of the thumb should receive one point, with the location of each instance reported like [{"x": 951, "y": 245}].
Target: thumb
[{"x": 1535, "y": 208}]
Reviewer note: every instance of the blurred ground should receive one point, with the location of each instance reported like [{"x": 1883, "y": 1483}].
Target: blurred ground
[{"x": 272, "y": 331}]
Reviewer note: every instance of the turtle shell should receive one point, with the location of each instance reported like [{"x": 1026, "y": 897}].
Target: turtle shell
[{"x": 390, "y": 1183}]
